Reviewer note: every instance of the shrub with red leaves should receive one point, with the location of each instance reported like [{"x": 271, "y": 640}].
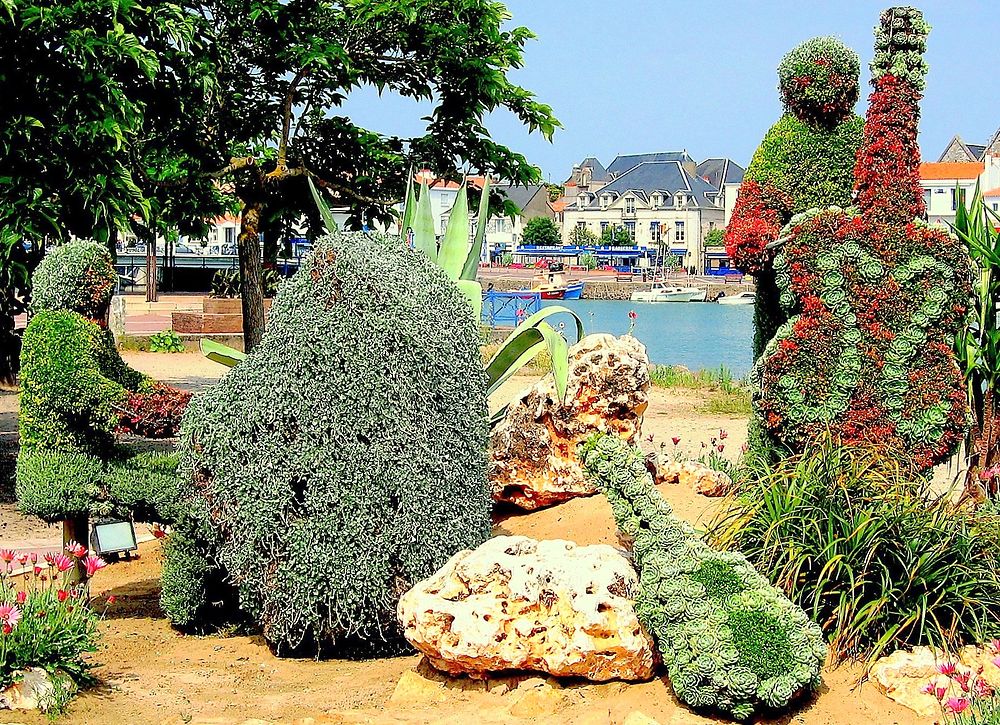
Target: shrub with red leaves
[{"x": 154, "y": 413}]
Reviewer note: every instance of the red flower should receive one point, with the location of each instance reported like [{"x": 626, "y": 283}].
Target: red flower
[
  {"x": 63, "y": 563},
  {"x": 7, "y": 556},
  {"x": 947, "y": 668},
  {"x": 957, "y": 704},
  {"x": 112, "y": 599},
  {"x": 77, "y": 550},
  {"x": 62, "y": 595},
  {"x": 632, "y": 314},
  {"x": 22, "y": 597},
  {"x": 94, "y": 564},
  {"x": 676, "y": 440}
]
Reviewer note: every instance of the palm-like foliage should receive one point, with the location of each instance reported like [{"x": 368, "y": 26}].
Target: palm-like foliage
[{"x": 978, "y": 345}]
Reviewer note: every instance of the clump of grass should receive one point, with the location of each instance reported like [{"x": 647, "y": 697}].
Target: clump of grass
[
  {"x": 877, "y": 559},
  {"x": 736, "y": 404},
  {"x": 727, "y": 395}
]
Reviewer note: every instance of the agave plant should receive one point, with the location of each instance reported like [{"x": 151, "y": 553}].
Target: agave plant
[{"x": 460, "y": 261}]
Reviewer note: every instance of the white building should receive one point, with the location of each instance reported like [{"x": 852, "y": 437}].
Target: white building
[
  {"x": 954, "y": 176},
  {"x": 665, "y": 201}
]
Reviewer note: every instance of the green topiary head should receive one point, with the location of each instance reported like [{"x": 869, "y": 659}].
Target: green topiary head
[
  {"x": 79, "y": 276},
  {"x": 818, "y": 81},
  {"x": 345, "y": 458}
]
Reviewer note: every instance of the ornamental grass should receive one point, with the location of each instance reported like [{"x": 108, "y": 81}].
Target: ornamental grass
[{"x": 879, "y": 560}]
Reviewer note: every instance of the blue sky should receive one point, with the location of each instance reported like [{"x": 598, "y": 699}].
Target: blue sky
[{"x": 659, "y": 75}]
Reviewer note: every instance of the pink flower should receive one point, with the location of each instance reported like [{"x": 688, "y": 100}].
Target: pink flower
[
  {"x": 7, "y": 556},
  {"x": 22, "y": 559},
  {"x": 77, "y": 550},
  {"x": 981, "y": 688},
  {"x": 38, "y": 570},
  {"x": 962, "y": 678},
  {"x": 676, "y": 440},
  {"x": 50, "y": 558},
  {"x": 22, "y": 597},
  {"x": 63, "y": 562},
  {"x": 723, "y": 434},
  {"x": 928, "y": 689},
  {"x": 948, "y": 668},
  {"x": 996, "y": 660},
  {"x": 94, "y": 564},
  {"x": 33, "y": 557},
  {"x": 957, "y": 704},
  {"x": 632, "y": 314},
  {"x": 995, "y": 646},
  {"x": 10, "y": 615}
]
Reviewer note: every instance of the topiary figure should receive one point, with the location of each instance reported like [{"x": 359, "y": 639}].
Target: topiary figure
[
  {"x": 731, "y": 642},
  {"x": 806, "y": 160},
  {"x": 77, "y": 394},
  {"x": 876, "y": 297},
  {"x": 79, "y": 276},
  {"x": 345, "y": 458}
]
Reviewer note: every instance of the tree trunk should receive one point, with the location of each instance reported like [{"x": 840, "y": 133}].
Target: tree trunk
[
  {"x": 151, "y": 291},
  {"x": 251, "y": 275}
]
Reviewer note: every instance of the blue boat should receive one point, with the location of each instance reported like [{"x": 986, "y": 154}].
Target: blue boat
[{"x": 574, "y": 290}]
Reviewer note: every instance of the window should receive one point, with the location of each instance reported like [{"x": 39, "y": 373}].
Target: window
[
  {"x": 604, "y": 227},
  {"x": 654, "y": 232},
  {"x": 927, "y": 199},
  {"x": 996, "y": 206},
  {"x": 605, "y": 201},
  {"x": 957, "y": 198},
  {"x": 711, "y": 226},
  {"x": 656, "y": 201},
  {"x": 678, "y": 231},
  {"x": 230, "y": 235},
  {"x": 629, "y": 206},
  {"x": 581, "y": 225},
  {"x": 630, "y": 228}
]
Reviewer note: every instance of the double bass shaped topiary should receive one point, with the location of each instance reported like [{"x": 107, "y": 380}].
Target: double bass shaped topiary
[
  {"x": 344, "y": 459},
  {"x": 731, "y": 641},
  {"x": 875, "y": 296}
]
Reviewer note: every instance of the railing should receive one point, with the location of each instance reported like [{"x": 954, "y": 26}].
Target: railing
[{"x": 509, "y": 309}]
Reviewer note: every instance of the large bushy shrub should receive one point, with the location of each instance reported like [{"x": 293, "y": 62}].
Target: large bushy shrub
[
  {"x": 345, "y": 458},
  {"x": 78, "y": 276},
  {"x": 875, "y": 297},
  {"x": 730, "y": 640},
  {"x": 879, "y": 560}
]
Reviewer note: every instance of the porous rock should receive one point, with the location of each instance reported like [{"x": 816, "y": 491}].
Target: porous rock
[
  {"x": 34, "y": 689},
  {"x": 903, "y": 675},
  {"x": 533, "y": 450},
  {"x": 519, "y": 604},
  {"x": 692, "y": 474}
]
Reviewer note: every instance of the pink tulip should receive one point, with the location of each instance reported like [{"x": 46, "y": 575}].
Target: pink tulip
[
  {"x": 7, "y": 556},
  {"x": 22, "y": 597},
  {"x": 63, "y": 562},
  {"x": 957, "y": 704},
  {"x": 940, "y": 692},
  {"x": 721, "y": 447},
  {"x": 948, "y": 668},
  {"x": 723, "y": 434},
  {"x": 94, "y": 564},
  {"x": 62, "y": 595}
]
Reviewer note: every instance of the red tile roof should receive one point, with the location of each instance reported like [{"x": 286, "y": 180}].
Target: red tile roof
[
  {"x": 948, "y": 170},
  {"x": 992, "y": 192}
]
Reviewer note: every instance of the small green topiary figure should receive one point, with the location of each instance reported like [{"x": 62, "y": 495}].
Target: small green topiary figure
[
  {"x": 77, "y": 394},
  {"x": 805, "y": 161},
  {"x": 344, "y": 459},
  {"x": 731, "y": 642}
]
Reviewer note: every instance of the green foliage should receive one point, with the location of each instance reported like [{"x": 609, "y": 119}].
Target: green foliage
[
  {"x": 507, "y": 259},
  {"x": 670, "y": 376},
  {"x": 583, "y": 237},
  {"x": 730, "y": 641},
  {"x": 73, "y": 382},
  {"x": 165, "y": 341},
  {"x": 323, "y": 485},
  {"x": 818, "y": 81},
  {"x": 15, "y": 288},
  {"x": 900, "y": 44},
  {"x": 184, "y": 581},
  {"x": 877, "y": 559},
  {"x": 715, "y": 237},
  {"x": 589, "y": 260},
  {"x": 542, "y": 231},
  {"x": 616, "y": 236},
  {"x": 144, "y": 486},
  {"x": 56, "y": 485},
  {"x": 226, "y": 283},
  {"x": 812, "y": 165},
  {"x": 78, "y": 276}
]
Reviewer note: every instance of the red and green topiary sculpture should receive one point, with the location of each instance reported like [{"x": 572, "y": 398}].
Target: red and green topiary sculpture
[
  {"x": 875, "y": 295},
  {"x": 805, "y": 161}
]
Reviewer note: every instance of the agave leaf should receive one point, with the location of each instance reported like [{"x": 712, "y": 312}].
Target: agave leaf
[
  {"x": 424, "y": 238},
  {"x": 222, "y": 354},
  {"x": 520, "y": 347},
  {"x": 473, "y": 292},
  {"x": 548, "y": 312},
  {"x": 476, "y": 252},
  {"x": 409, "y": 207},
  {"x": 455, "y": 243},
  {"x": 324, "y": 210}
]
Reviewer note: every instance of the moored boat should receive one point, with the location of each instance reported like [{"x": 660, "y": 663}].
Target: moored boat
[
  {"x": 661, "y": 292},
  {"x": 743, "y": 298}
]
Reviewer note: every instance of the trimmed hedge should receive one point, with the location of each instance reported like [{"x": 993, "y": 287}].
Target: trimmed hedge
[
  {"x": 731, "y": 642},
  {"x": 345, "y": 459},
  {"x": 78, "y": 276}
]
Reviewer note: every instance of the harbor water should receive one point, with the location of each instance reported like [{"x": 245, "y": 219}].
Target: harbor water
[{"x": 697, "y": 335}]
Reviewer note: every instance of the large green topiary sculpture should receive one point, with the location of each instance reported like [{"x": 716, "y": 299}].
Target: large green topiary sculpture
[
  {"x": 77, "y": 395},
  {"x": 875, "y": 296},
  {"x": 806, "y": 160},
  {"x": 345, "y": 458},
  {"x": 731, "y": 641}
]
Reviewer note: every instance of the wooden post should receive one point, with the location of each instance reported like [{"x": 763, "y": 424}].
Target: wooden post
[{"x": 77, "y": 529}]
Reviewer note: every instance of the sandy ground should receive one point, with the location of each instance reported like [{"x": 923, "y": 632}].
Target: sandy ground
[{"x": 151, "y": 674}]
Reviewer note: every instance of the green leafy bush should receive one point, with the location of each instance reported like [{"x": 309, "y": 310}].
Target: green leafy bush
[
  {"x": 542, "y": 231},
  {"x": 226, "y": 283},
  {"x": 877, "y": 559},
  {"x": 730, "y": 641},
  {"x": 324, "y": 484},
  {"x": 78, "y": 276},
  {"x": 165, "y": 341},
  {"x": 55, "y": 485},
  {"x": 818, "y": 80}
]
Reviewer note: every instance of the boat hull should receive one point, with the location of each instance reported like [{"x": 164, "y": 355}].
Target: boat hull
[
  {"x": 553, "y": 294},
  {"x": 736, "y": 300},
  {"x": 574, "y": 291},
  {"x": 682, "y": 295}
]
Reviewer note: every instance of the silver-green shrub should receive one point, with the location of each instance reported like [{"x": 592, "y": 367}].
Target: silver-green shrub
[
  {"x": 731, "y": 642},
  {"x": 78, "y": 276},
  {"x": 345, "y": 458}
]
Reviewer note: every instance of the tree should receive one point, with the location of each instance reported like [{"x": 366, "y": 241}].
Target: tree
[
  {"x": 582, "y": 237},
  {"x": 283, "y": 68},
  {"x": 542, "y": 231},
  {"x": 616, "y": 236},
  {"x": 715, "y": 238}
]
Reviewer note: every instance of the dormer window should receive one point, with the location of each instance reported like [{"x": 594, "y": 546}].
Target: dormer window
[
  {"x": 629, "y": 205},
  {"x": 657, "y": 200},
  {"x": 680, "y": 200},
  {"x": 584, "y": 200},
  {"x": 605, "y": 201}
]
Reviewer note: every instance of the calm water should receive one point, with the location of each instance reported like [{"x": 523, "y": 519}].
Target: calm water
[{"x": 698, "y": 335}]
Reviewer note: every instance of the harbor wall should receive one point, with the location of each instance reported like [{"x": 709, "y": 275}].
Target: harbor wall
[{"x": 612, "y": 290}]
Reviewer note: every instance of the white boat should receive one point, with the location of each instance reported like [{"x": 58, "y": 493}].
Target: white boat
[
  {"x": 743, "y": 298},
  {"x": 661, "y": 292}
]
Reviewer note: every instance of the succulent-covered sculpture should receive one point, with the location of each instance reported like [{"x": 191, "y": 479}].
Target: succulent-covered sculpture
[
  {"x": 875, "y": 295},
  {"x": 730, "y": 641},
  {"x": 344, "y": 459},
  {"x": 806, "y": 160},
  {"x": 77, "y": 394}
]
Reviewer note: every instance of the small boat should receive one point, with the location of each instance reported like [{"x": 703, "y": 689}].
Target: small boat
[
  {"x": 660, "y": 292},
  {"x": 552, "y": 285},
  {"x": 574, "y": 290},
  {"x": 743, "y": 298}
]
